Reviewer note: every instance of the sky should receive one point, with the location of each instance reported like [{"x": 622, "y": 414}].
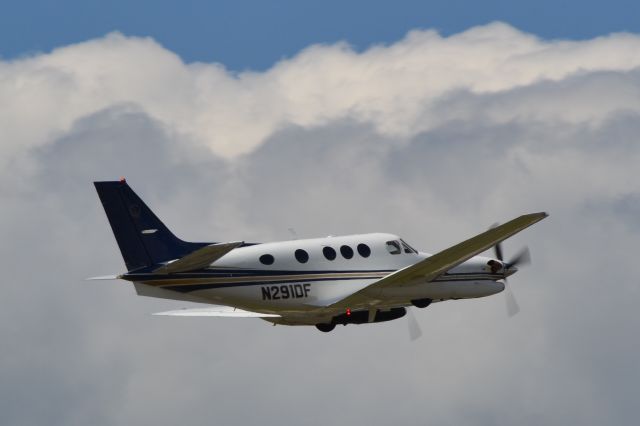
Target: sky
[
  {"x": 446, "y": 120},
  {"x": 245, "y": 34}
]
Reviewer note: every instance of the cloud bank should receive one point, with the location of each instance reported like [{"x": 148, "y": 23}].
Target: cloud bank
[
  {"x": 399, "y": 89},
  {"x": 431, "y": 137}
]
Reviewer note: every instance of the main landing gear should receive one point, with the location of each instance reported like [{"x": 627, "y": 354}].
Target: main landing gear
[
  {"x": 325, "y": 328},
  {"x": 421, "y": 303}
]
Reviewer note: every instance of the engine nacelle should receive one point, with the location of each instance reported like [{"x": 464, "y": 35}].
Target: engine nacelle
[{"x": 362, "y": 317}]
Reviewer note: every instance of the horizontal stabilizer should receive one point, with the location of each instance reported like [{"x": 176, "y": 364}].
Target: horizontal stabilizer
[
  {"x": 104, "y": 277},
  {"x": 216, "y": 311},
  {"x": 198, "y": 259}
]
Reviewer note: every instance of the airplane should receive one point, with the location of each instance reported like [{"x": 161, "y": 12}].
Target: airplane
[{"x": 321, "y": 282}]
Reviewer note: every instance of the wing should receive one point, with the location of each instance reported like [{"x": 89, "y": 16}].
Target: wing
[
  {"x": 200, "y": 258},
  {"x": 216, "y": 311},
  {"x": 432, "y": 267}
]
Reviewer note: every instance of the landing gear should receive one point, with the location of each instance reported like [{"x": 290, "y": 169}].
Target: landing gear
[
  {"x": 325, "y": 328},
  {"x": 421, "y": 303}
]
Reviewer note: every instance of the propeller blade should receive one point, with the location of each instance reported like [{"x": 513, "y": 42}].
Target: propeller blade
[
  {"x": 512, "y": 304},
  {"x": 522, "y": 258},
  {"x": 497, "y": 248},
  {"x": 414, "y": 328}
]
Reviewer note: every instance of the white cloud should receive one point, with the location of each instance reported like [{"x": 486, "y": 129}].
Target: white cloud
[
  {"x": 396, "y": 88},
  {"x": 430, "y": 137}
]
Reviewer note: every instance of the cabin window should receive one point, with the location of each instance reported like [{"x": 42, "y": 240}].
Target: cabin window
[
  {"x": 393, "y": 247},
  {"x": 346, "y": 252},
  {"x": 302, "y": 256},
  {"x": 267, "y": 259},
  {"x": 364, "y": 250},
  {"x": 408, "y": 248},
  {"x": 329, "y": 253}
]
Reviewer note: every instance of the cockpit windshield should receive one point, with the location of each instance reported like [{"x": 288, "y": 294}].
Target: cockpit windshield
[
  {"x": 396, "y": 247},
  {"x": 393, "y": 247},
  {"x": 408, "y": 248}
]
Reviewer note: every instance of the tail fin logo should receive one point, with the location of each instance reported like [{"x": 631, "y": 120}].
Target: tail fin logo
[{"x": 134, "y": 209}]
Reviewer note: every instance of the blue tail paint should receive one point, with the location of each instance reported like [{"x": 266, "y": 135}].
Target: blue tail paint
[{"x": 143, "y": 239}]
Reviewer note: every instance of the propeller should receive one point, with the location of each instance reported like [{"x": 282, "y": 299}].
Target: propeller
[
  {"x": 523, "y": 257},
  {"x": 414, "y": 328}
]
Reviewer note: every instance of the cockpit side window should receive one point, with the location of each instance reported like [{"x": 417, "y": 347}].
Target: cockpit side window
[
  {"x": 408, "y": 248},
  {"x": 393, "y": 247}
]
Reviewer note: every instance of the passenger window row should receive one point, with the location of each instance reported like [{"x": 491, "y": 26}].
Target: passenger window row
[{"x": 329, "y": 253}]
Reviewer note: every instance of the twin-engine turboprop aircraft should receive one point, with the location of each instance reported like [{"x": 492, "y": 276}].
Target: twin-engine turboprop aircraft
[{"x": 351, "y": 279}]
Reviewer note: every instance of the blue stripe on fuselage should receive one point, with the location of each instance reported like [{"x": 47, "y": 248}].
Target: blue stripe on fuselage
[{"x": 241, "y": 273}]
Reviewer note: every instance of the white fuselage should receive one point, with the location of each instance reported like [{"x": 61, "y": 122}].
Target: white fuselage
[{"x": 302, "y": 276}]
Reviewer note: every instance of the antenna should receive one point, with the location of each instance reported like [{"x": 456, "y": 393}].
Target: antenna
[{"x": 293, "y": 233}]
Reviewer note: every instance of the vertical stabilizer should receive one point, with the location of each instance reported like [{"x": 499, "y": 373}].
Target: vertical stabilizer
[{"x": 143, "y": 239}]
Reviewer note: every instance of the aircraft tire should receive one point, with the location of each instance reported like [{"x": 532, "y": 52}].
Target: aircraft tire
[
  {"x": 325, "y": 328},
  {"x": 421, "y": 303}
]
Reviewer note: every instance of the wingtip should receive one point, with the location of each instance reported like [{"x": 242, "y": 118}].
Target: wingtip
[
  {"x": 539, "y": 215},
  {"x": 104, "y": 278}
]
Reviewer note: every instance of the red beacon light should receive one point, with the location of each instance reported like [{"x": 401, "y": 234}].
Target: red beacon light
[
  {"x": 348, "y": 312},
  {"x": 122, "y": 179}
]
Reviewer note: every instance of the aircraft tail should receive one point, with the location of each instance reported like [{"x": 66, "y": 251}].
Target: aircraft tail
[{"x": 143, "y": 239}]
